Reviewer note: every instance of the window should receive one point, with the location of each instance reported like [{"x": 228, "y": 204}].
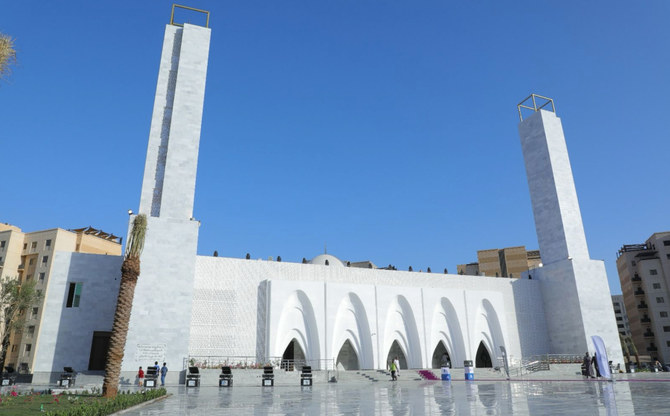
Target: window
[
  {"x": 45, "y": 259},
  {"x": 666, "y": 329},
  {"x": 42, "y": 274},
  {"x": 74, "y": 295},
  {"x": 2, "y": 244},
  {"x": 33, "y": 244},
  {"x": 667, "y": 256},
  {"x": 47, "y": 244},
  {"x": 39, "y": 293},
  {"x": 617, "y": 311},
  {"x": 633, "y": 263},
  {"x": 36, "y": 310},
  {"x": 616, "y": 303},
  {"x": 620, "y": 326},
  {"x": 29, "y": 348},
  {"x": 619, "y": 318},
  {"x": 31, "y": 329},
  {"x": 660, "y": 300},
  {"x": 667, "y": 343},
  {"x": 664, "y": 314},
  {"x": 25, "y": 246},
  {"x": 656, "y": 285},
  {"x": 653, "y": 272},
  {"x": 14, "y": 347},
  {"x": 28, "y": 277},
  {"x": 0, "y": 259},
  {"x": 666, "y": 243},
  {"x": 31, "y": 262}
]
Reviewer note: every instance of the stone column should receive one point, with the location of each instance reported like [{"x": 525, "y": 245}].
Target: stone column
[
  {"x": 161, "y": 315},
  {"x": 575, "y": 289}
]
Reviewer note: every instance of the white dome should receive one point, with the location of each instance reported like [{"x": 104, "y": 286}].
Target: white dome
[{"x": 322, "y": 258}]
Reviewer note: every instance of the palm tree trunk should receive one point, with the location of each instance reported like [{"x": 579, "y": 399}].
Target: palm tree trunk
[
  {"x": 117, "y": 343},
  {"x": 130, "y": 271}
]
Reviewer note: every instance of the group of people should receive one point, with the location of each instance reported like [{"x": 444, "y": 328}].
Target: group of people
[
  {"x": 394, "y": 366},
  {"x": 159, "y": 370},
  {"x": 590, "y": 366}
]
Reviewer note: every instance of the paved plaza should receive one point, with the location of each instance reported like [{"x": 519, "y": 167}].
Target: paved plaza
[{"x": 532, "y": 397}]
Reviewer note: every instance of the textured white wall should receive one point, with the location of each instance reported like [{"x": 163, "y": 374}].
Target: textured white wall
[
  {"x": 575, "y": 289},
  {"x": 558, "y": 220},
  {"x": 230, "y": 305},
  {"x": 66, "y": 334}
]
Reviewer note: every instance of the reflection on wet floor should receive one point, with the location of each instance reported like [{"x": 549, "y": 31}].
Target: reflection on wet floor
[{"x": 425, "y": 398}]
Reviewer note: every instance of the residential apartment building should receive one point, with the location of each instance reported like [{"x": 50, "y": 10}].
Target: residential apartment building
[
  {"x": 621, "y": 316},
  {"x": 28, "y": 256},
  {"x": 505, "y": 262},
  {"x": 644, "y": 273}
]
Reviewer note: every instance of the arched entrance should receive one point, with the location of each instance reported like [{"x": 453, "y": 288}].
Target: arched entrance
[
  {"x": 347, "y": 357},
  {"x": 293, "y": 357},
  {"x": 483, "y": 358},
  {"x": 441, "y": 356},
  {"x": 394, "y": 352}
]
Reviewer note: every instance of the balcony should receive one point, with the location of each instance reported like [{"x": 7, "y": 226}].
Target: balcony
[
  {"x": 642, "y": 306},
  {"x": 652, "y": 348},
  {"x": 21, "y": 267},
  {"x": 648, "y": 334},
  {"x": 645, "y": 320},
  {"x": 639, "y": 292},
  {"x": 636, "y": 278}
]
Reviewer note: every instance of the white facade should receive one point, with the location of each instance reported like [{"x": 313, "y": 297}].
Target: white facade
[
  {"x": 256, "y": 308},
  {"x": 574, "y": 287},
  {"x": 194, "y": 307}
]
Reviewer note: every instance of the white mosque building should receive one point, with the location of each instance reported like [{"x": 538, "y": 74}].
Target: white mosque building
[{"x": 325, "y": 312}]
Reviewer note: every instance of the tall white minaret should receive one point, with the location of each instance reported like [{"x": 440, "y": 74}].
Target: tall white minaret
[
  {"x": 161, "y": 314},
  {"x": 575, "y": 289}
]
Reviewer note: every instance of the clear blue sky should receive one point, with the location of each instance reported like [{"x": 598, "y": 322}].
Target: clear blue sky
[{"x": 386, "y": 129}]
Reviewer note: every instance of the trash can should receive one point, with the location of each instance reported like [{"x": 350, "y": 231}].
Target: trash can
[
  {"x": 193, "y": 377},
  {"x": 469, "y": 370},
  {"x": 268, "y": 377},
  {"x": 226, "y": 377},
  {"x": 306, "y": 376},
  {"x": 446, "y": 374}
]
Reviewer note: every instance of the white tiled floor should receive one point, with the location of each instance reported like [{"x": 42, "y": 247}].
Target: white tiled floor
[{"x": 424, "y": 398}]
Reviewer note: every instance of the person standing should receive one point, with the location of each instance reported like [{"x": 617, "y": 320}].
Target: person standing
[
  {"x": 397, "y": 366},
  {"x": 140, "y": 377},
  {"x": 394, "y": 369},
  {"x": 164, "y": 371}
]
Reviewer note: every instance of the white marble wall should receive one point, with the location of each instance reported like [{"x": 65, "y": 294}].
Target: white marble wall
[
  {"x": 417, "y": 309},
  {"x": 575, "y": 289},
  {"x": 162, "y": 305},
  {"x": 65, "y": 334},
  {"x": 558, "y": 220}
]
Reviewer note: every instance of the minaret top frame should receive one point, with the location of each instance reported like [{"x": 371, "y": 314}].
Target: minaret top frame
[
  {"x": 538, "y": 102},
  {"x": 179, "y": 6}
]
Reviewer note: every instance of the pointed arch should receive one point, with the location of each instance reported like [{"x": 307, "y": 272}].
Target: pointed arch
[
  {"x": 347, "y": 357},
  {"x": 298, "y": 323},
  {"x": 351, "y": 323},
  {"x": 488, "y": 332},
  {"x": 396, "y": 351},
  {"x": 446, "y": 328},
  {"x": 441, "y": 356},
  {"x": 483, "y": 357},
  {"x": 401, "y": 328}
]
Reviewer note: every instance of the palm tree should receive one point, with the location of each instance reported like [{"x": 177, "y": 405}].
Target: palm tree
[
  {"x": 130, "y": 271},
  {"x": 7, "y": 55}
]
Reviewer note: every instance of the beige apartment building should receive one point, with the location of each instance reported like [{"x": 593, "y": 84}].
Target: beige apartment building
[
  {"x": 28, "y": 256},
  {"x": 644, "y": 273},
  {"x": 506, "y": 262}
]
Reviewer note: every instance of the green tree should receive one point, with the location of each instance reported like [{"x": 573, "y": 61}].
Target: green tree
[
  {"x": 16, "y": 299},
  {"x": 130, "y": 271},
  {"x": 7, "y": 55}
]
